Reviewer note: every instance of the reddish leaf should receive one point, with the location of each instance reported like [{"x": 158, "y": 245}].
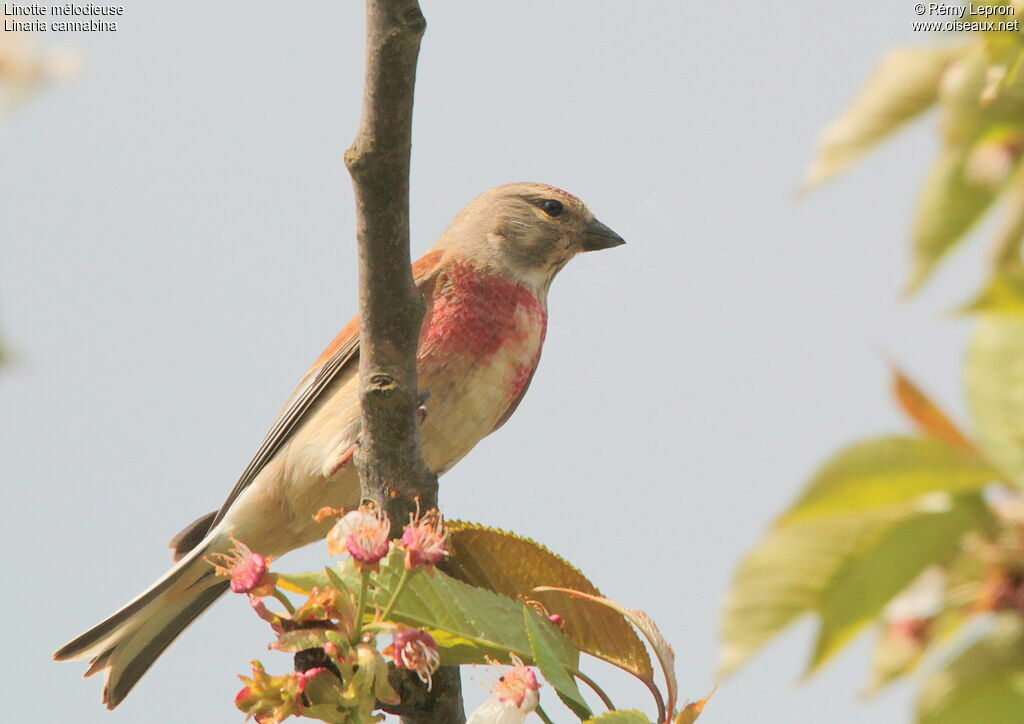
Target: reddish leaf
[
  {"x": 512, "y": 565},
  {"x": 926, "y": 414}
]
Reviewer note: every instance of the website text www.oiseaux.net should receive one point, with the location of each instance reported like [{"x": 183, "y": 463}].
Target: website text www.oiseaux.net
[{"x": 965, "y": 18}]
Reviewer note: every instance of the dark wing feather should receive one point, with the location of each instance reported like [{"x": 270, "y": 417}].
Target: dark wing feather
[{"x": 302, "y": 401}]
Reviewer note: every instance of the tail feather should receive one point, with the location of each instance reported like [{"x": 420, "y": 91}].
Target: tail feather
[
  {"x": 122, "y": 678},
  {"x": 127, "y": 643}
]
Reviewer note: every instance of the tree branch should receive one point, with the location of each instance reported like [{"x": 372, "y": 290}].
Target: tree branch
[
  {"x": 443, "y": 703},
  {"x": 391, "y": 468}
]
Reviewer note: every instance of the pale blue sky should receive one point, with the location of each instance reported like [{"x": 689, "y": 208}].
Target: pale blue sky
[{"x": 177, "y": 247}]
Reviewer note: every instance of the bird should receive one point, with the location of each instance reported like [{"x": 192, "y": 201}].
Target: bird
[{"x": 485, "y": 285}]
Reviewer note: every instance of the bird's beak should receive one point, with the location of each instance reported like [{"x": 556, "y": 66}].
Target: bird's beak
[{"x": 597, "y": 236}]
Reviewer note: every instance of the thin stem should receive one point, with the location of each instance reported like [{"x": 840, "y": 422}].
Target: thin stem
[
  {"x": 543, "y": 715},
  {"x": 394, "y": 596},
  {"x": 364, "y": 584},
  {"x": 597, "y": 689},
  {"x": 279, "y": 595}
]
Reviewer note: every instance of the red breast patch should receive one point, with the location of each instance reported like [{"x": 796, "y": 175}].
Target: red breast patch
[{"x": 475, "y": 313}]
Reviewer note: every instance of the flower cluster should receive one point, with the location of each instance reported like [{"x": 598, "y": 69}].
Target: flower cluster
[
  {"x": 273, "y": 698},
  {"x": 341, "y": 673},
  {"x": 335, "y": 628}
]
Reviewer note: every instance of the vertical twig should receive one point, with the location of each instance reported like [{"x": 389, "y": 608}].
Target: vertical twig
[{"x": 391, "y": 468}]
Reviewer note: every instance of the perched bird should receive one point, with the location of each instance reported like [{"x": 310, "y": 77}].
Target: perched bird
[{"x": 485, "y": 284}]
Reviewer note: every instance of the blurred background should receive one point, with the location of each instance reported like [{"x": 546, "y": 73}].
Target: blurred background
[{"x": 177, "y": 246}]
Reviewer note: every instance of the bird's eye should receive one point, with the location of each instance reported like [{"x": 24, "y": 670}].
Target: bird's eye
[{"x": 552, "y": 207}]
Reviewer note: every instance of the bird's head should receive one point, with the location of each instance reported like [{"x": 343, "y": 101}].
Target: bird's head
[{"x": 529, "y": 230}]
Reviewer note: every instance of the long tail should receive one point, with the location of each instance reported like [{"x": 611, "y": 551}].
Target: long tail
[{"x": 125, "y": 645}]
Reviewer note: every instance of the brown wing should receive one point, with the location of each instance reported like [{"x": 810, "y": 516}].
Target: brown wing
[
  {"x": 341, "y": 354},
  {"x": 316, "y": 381}
]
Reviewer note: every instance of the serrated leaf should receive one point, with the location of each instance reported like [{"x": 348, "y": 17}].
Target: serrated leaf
[
  {"x": 948, "y": 207},
  {"x": 885, "y": 566},
  {"x": 985, "y": 683},
  {"x": 885, "y": 472},
  {"x": 622, "y": 716},
  {"x": 658, "y": 643},
  {"x": 903, "y": 84},
  {"x": 994, "y": 379},
  {"x": 542, "y": 644},
  {"x": 468, "y": 623},
  {"x": 512, "y": 565},
  {"x": 783, "y": 577},
  {"x": 924, "y": 413}
]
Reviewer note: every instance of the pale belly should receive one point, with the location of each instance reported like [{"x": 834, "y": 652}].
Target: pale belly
[
  {"x": 464, "y": 408},
  {"x": 466, "y": 401}
]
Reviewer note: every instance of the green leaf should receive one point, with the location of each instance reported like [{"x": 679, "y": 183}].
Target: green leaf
[
  {"x": 994, "y": 378},
  {"x": 1006, "y": 255},
  {"x": 885, "y": 566},
  {"x": 322, "y": 693},
  {"x": 885, "y": 472},
  {"x": 963, "y": 86},
  {"x": 468, "y": 623},
  {"x": 627, "y": 716},
  {"x": 646, "y": 626},
  {"x": 896, "y": 654},
  {"x": 1003, "y": 294},
  {"x": 949, "y": 205},
  {"x": 545, "y": 647},
  {"x": 308, "y": 638},
  {"x": 981, "y": 89},
  {"x": 903, "y": 84},
  {"x": 785, "y": 575},
  {"x": 983, "y": 684},
  {"x": 512, "y": 565}
]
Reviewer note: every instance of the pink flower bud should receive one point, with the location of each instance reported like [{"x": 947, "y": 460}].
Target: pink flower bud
[
  {"x": 424, "y": 542},
  {"x": 415, "y": 650},
  {"x": 557, "y": 620},
  {"x": 363, "y": 534},
  {"x": 248, "y": 571}
]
